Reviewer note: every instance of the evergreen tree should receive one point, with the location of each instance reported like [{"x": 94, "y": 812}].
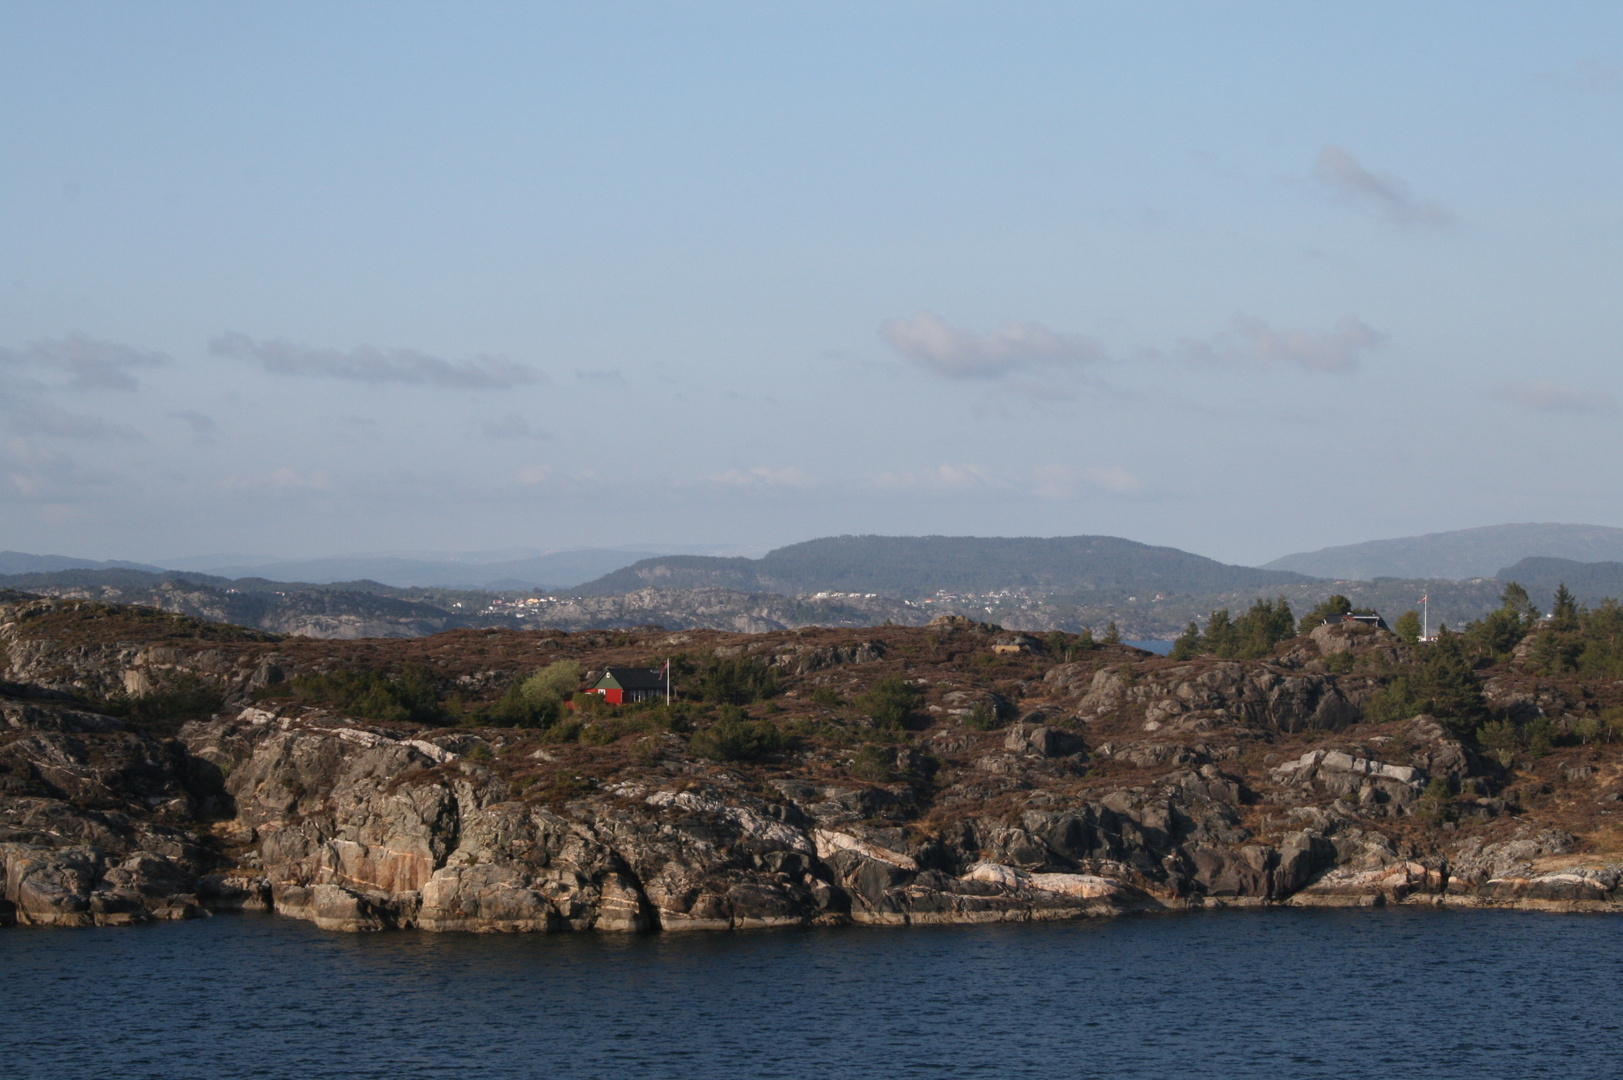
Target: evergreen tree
[
  {"x": 1408, "y": 626},
  {"x": 1112, "y": 635},
  {"x": 1564, "y": 612},
  {"x": 1515, "y": 599},
  {"x": 1188, "y": 643},
  {"x": 1220, "y": 638}
]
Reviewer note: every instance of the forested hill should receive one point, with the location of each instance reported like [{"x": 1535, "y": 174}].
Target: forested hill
[
  {"x": 1590, "y": 582},
  {"x": 914, "y": 566},
  {"x": 1457, "y": 555}
]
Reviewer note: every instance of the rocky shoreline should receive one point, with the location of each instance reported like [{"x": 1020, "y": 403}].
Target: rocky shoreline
[{"x": 1110, "y": 784}]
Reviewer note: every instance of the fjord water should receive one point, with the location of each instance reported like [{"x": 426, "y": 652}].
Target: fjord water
[{"x": 1230, "y": 994}]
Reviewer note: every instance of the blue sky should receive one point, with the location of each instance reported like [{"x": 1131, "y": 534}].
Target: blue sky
[{"x": 1241, "y": 278}]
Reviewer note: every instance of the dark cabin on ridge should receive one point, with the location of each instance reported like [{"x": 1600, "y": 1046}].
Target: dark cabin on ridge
[
  {"x": 620, "y": 685},
  {"x": 1367, "y": 620}
]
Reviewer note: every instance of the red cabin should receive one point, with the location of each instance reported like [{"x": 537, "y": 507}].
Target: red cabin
[{"x": 620, "y": 685}]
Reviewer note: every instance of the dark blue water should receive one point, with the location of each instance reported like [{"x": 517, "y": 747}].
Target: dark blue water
[
  {"x": 1267, "y": 994},
  {"x": 1162, "y": 647}
]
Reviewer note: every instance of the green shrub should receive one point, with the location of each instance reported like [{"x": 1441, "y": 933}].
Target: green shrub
[
  {"x": 1436, "y": 802},
  {"x": 1439, "y": 681},
  {"x": 564, "y": 731},
  {"x": 187, "y": 697},
  {"x": 372, "y": 695},
  {"x": 1539, "y": 735},
  {"x": 825, "y": 697},
  {"x": 1500, "y": 739},
  {"x": 558, "y": 681},
  {"x": 518, "y": 709},
  {"x": 890, "y": 701},
  {"x": 734, "y": 680},
  {"x": 983, "y": 718},
  {"x": 739, "y": 740},
  {"x": 876, "y": 764}
]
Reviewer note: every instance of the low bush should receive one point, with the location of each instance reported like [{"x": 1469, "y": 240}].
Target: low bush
[
  {"x": 731, "y": 739},
  {"x": 876, "y": 764},
  {"x": 188, "y": 697},
  {"x": 368, "y": 694},
  {"x": 734, "y": 680},
  {"x": 890, "y": 701},
  {"x": 983, "y": 718}
]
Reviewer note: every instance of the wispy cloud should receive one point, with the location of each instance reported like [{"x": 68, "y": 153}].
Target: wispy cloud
[
  {"x": 762, "y": 476},
  {"x": 198, "y": 422},
  {"x": 1387, "y": 195},
  {"x": 36, "y": 473},
  {"x": 88, "y": 364},
  {"x": 944, "y": 350},
  {"x": 30, "y": 416},
  {"x": 944, "y": 478},
  {"x": 282, "y": 479},
  {"x": 366, "y": 363},
  {"x": 511, "y": 426},
  {"x": 1548, "y": 397},
  {"x": 1058, "y": 483},
  {"x": 1249, "y": 340}
]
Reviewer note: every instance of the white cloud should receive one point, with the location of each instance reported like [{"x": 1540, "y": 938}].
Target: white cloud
[
  {"x": 88, "y": 364},
  {"x": 533, "y": 474},
  {"x": 1549, "y": 397},
  {"x": 1340, "y": 172},
  {"x": 944, "y": 478},
  {"x": 951, "y": 353},
  {"x": 366, "y": 363},
  {"x": 1251, "y": 340},
  {"x": 762, "y": 476}
]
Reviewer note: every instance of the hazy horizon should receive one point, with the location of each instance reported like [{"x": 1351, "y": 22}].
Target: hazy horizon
[{"x": 1245, "y": 280}]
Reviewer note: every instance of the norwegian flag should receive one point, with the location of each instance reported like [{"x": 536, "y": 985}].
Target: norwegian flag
[{"x": 665, "y": 672}]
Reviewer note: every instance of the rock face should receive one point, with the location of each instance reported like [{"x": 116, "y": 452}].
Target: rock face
[{"x": 1128, "y": 783}]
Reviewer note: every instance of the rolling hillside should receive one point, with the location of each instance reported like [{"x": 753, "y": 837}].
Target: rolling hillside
[{"x": 917, "y": 566}]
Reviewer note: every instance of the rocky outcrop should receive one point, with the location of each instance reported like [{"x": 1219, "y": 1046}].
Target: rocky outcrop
[
  {"x": 1195, "y": 698},
  {"x": 1123, "y": 783}
]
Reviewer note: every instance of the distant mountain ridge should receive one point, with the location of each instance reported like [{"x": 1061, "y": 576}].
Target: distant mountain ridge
[
  {"x": 1458, "y": 555},
  {"x": 559, "y": 569},
  {"x": 19, "y": 562},
  {"x": 918, "y": 566}
]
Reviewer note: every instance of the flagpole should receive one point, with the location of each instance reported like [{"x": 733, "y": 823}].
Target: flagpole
[{"x": 667, "y": 682}]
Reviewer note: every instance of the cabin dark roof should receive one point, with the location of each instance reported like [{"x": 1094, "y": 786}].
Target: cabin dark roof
[
  {"x": 1368, "y": 620},
  {"x": 630, "y": 678}
]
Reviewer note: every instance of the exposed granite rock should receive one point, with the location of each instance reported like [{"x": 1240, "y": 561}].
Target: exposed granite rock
[{"x": 1131, "y": 783}]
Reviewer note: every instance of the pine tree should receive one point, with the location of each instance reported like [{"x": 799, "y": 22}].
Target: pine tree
[
  {"x": 1564, "y": 613},
  {"x": 1188, "y": 643}
]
